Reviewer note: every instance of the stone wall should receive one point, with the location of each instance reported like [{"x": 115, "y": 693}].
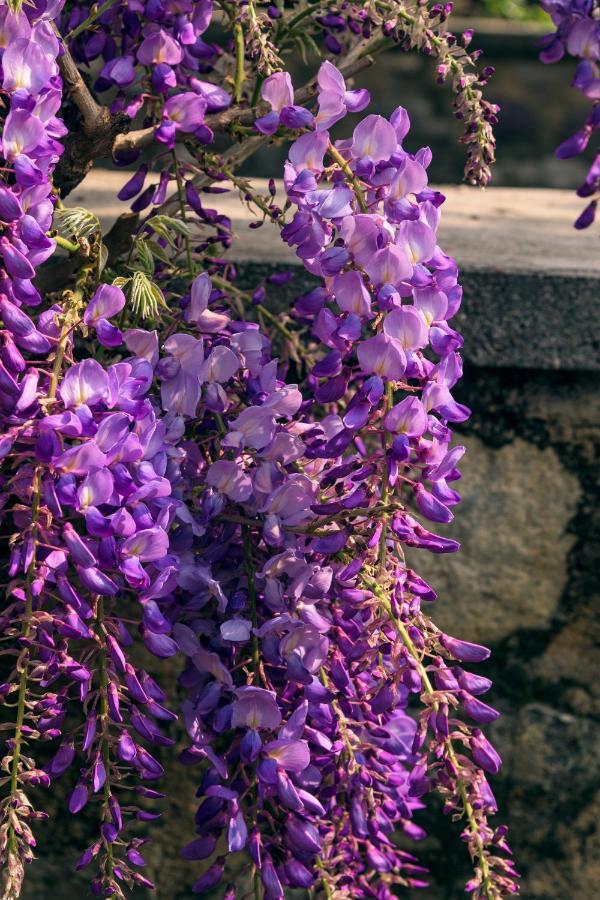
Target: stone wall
[
  {"x": 527, "y": 579},
  {"x": 526, "y": 582}
]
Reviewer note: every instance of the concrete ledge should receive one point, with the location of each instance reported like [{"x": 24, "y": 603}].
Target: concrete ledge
[
  {"x": 531, "y": 282},
  {"x": 509, "y": 320}
]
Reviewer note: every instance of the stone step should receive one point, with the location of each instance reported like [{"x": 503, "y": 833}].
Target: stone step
[{"x": 497, "y": 229}]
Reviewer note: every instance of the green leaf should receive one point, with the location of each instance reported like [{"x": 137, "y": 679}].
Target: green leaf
[
  {"x": 164, "y": 226},
  {"x": 103, "y": 260},
  {"x": 158, "y": 251},
  {"x": 301, "y": 48},
  {"x": 142, "y": 255},
  {"x": 76, "y": 222},
  {"x": 146, "y": 297},
  {"x": 309, "y": 45}
]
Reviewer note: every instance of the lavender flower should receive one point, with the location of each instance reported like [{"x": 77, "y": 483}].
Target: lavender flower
[
  {"x": 578, "y": 34},
  {"x": 165, "y": 480}
]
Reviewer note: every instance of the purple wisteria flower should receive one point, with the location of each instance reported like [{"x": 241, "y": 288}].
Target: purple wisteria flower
[
  {"x": 278, "y": 92},
  {"x": 578, "y": 34},
  {"x": 187, "y": 475},
  {"x": 301, "y": 517}
]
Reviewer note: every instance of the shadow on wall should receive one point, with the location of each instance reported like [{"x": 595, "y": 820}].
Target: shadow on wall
[{"x": 526, "y": 583}]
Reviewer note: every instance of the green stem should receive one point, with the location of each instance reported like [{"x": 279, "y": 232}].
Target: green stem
[
  {"x": 295, "y": 20},
  {"x": 25, "y": 631},
  {"x": 36, "y": 494},
  {"x": 256, "y": 93},
  {"x": 326, "y": 886},
  {"x": 100, "y": 10},
  {"x": 469, "y": 812},
  {"x": 244, "y": 186},
  {"x": 385, "y": 484},
  {"x": 181, "y": 198},
  {"x": 240, "y": 51},
  {"x": 66, "y": 244},
  {"x": 249, "y": 567},
  {"x": 340, "y": 715},
  {"x": 256, "y": 884},
  {"x": 337, "y": 156},
  {"x": 105, "y": 719},
  {"x": 268, "y": 315}
]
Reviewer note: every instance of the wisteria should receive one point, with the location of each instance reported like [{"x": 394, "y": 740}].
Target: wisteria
[
  {"x": 191, "y": 476},
  {"x": 578, "y": 35}
]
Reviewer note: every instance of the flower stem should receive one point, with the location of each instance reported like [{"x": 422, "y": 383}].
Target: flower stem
[
  {"x": 240, "y": 51},
  {"x": 248, "y": 566},
  {"x": 105, "y": 720},
  {"x": 36, "y": 494},
  {"x": 489, "y": 892},
  {"x": 326, "y": 886},
  {"x": 25, "y": 631},
  {"x": 181, "y": 198},
  {"x": 256, "y": 884},
  {"x": 360, "y": 197},
  {"x": 385, "y": 484},
  {"x": 66, "y": 244},
  {"x": 87, "y": 23},
  {"x": 267, "y": 314}
]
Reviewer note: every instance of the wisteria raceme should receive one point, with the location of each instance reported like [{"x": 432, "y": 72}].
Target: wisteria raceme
[
  {"x": 30, "y": 147},
  {"x": 85, "y": 447},
  {"x": 93, "y": 454},
  {"x": 185, "y": 472},
  {"x": 578, "y": 34},
  {"x": 307, "y": 638}
]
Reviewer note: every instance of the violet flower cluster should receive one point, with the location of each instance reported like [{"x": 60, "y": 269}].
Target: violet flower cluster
[
  {"x": 578, "y": 34},
  {"x": 188, "y": 475},
  {"x": 306, "y": 639},
  {"x": 87, "y": 474}
]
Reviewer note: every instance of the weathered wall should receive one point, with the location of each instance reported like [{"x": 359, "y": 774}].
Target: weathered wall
[
  {"x": 527, "y": 580},
  {"x": 526, "y": 583}
]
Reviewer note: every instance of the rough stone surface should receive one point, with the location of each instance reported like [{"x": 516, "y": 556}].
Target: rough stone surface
[
  {"x": 551, "y": 791},
  {"x": 496, "y": 230},
  {"x": 508, "y": 521},
  {"x": 527, "y": 583},
  {"x": 544, "y": 673}
]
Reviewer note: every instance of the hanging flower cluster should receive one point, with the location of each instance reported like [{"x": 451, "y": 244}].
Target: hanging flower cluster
[
  {"x": 86, "y": 497},
  {"x": 578, "y": 34},
  {"x": 307, "y": 638},
  {"x": 187, "y": 474}
]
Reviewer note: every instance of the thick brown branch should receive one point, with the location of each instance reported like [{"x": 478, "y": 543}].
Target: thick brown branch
[
  {"x": 95, "y": 136},
  {"x": 90, "y": 111},
  {"x": 235, "y": 115}
]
